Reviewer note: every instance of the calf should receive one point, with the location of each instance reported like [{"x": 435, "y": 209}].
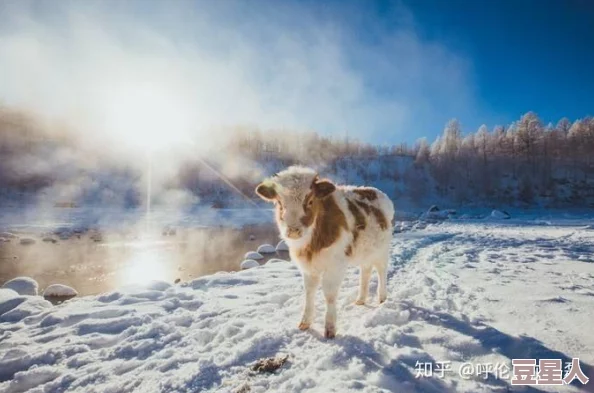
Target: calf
[{"x": 328, "y": 227}]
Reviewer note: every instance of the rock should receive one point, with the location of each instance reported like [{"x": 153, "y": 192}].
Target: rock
[
  {"x": 266, "y": 249},
  {"x": 48, "y": 239},
  {"x": 26, "y": 241},
  {"x": 274, "y": 261},
  {"x": 63, "y": 233},
  {"x": 252, "y": 237},
  {"x": 500, "y": 215},
  {"x": 157, "y": 285},
  {"x": 59, "y": 290},
  {"x": 435, "y": 215},
  {"x": 249, "y": 264},
  {"x": 8, "y": 235},
  {"x": 253, "y": 255},
  {"x": 96, "y": 237},
  {"x": 282, "y": 246},
  {"x": 7, "y": 294},
  {"x": 169, "y": 231},
  {"x": 23, "y": 286}
]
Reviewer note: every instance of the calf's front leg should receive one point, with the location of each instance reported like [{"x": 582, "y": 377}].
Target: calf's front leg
[
  {"x": 331, "y": 282},
  {"x": 382, "y": 275},
  {"x": 310, "y": 285}
]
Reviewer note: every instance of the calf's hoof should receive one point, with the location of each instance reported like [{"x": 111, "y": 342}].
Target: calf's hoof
[
  {"x": 304, "y": 326},
  {"x": 383, "y": 299},
  {"x": 360, "y": 302},
  {"x": 330, "y": 332}
]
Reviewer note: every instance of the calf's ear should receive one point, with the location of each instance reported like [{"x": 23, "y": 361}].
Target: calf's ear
[
  {"x": 322, "y": 188},
  {"x": 266, "y": 191}
]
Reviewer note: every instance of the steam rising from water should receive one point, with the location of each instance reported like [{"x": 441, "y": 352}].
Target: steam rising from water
[
  {"x": 116, "y": 81},
  {"x": 152, "y": 73}
]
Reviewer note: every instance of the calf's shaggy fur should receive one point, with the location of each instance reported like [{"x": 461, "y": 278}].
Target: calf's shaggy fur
[{"x": 328, "y": 227}]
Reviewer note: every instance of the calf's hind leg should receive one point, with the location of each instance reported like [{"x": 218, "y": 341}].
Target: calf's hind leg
[{"x": 364, "y": 276}]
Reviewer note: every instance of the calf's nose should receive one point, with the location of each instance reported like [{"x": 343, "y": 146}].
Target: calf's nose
[{"x": 293, "y": 232}]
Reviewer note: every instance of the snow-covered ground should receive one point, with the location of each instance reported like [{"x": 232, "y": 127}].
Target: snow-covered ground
[{"x": 473, "y": 292}]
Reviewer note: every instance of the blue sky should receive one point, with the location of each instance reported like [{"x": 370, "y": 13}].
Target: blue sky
[
  {"x": 526, "y": 55},
  {"x": 385, "y": 71}
]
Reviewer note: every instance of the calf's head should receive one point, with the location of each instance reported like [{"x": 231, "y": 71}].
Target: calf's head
[{"x": 297, "y": 193}]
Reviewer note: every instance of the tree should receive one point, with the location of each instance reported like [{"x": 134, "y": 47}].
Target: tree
[
  {"x": 528, "y": 134},
  {"x": 452, "y": 139},
  {"x": 482, "y": 138},
  {"x": 563, "y": 126},
  {"x": 423, "y": 152}
]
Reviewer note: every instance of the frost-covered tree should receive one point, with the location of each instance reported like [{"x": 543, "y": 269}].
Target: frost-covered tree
[
  {"x": 483, "y": 142},
  {"x": 423, "y": 152},
  {"x": 529, "y": 132}
]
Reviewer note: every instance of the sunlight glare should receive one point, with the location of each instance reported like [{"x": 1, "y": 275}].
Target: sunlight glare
[
  {"x": 147, "y": 117},
  {"x": 144, "y": 267}
]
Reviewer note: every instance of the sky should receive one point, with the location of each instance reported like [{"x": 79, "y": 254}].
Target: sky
[{"x": 383, "y": 71}]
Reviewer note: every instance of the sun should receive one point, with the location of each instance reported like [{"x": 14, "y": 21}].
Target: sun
[{"x": 147, "y": 117}]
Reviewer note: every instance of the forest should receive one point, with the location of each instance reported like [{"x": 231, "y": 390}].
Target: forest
[{"x": 525, "y": 163}]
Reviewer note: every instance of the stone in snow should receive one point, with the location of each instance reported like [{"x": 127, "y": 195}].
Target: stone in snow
[
  {"x": 266, "y": 249},
  {"x": 274, "y": 261},
  {"x": 249, "y": 263},
  {"x": 282, "y": 246},
  {"x": 27, "y": 241},
  {"x": 500, "y": 215},
  {"x": 59, "y": 290},
  {"x": 22, "y": 286},
  {"x": 7, "y": 294},
  {"x": 253, "y": 255}
]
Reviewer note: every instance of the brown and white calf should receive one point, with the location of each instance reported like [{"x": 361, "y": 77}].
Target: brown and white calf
[{"x": 328, "y": 227}]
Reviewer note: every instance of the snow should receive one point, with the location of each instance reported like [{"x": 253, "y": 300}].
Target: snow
[
  {"x": 266, "y": 249},
  {"x": 23, "y": 286},
  {"x": 253, "y": 255},
  {"x": 249, "y": 263},
  {"x": 477, "y": 291},
  {"x": 18, "y": 309},
  {"x": 282, "y": 246},
  {"x": 60, "y": 290}
]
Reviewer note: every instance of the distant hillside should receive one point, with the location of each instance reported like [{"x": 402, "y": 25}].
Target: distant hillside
[{"x": 524, "y": 164}]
